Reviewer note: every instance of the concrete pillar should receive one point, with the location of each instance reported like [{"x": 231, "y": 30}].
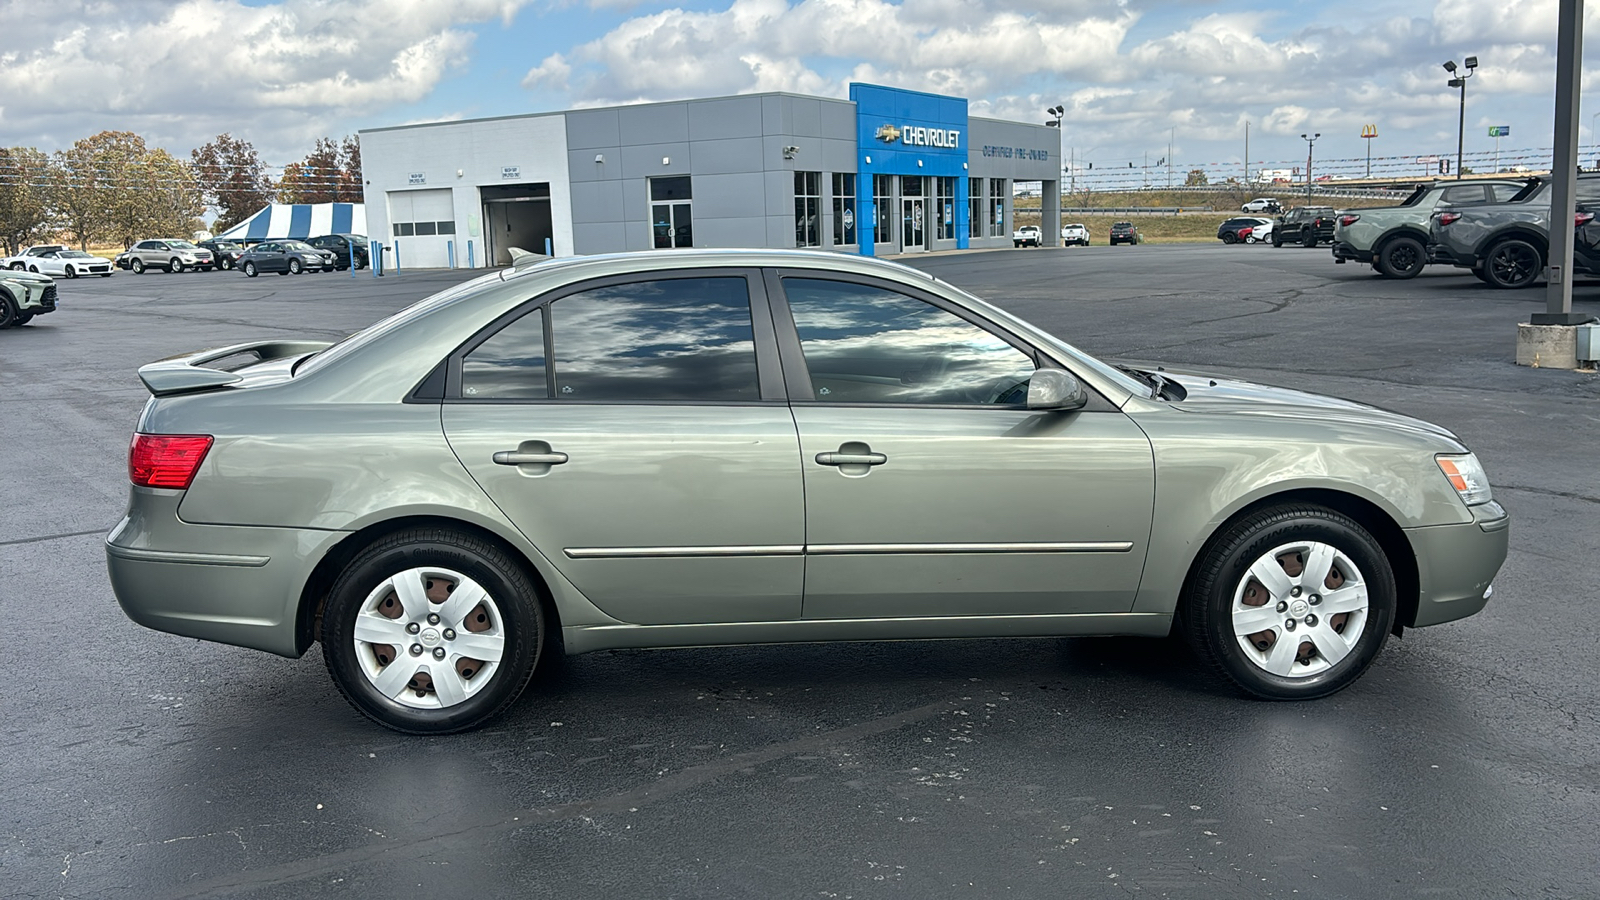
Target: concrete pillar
[{"x": 1050, "y": 213}]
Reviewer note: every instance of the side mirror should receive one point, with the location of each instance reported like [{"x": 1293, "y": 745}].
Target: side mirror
[{"x": 1055, "y": 389}]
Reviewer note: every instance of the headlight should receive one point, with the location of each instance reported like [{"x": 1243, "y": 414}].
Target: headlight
[{"x": 1466, "y": 475}]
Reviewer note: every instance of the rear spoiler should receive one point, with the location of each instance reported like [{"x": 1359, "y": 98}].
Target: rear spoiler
[{"x": 182, "y": 374}]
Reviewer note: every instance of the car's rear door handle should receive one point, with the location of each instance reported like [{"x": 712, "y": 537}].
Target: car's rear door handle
[
  {"x": 517, "y": 458},
  {"x": 851, "y": 459}
]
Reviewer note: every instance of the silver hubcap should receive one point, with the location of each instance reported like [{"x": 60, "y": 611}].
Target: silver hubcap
[
  {"x": 429, "y": 638},
  {"x": 1300, "y": 609}
]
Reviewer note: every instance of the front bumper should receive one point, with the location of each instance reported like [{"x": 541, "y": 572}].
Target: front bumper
[
  {"x": 1456, "y": 564},
  {"x": 231, "y": 584}
]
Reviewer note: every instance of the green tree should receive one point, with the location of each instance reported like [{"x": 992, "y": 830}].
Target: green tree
[
  {"x": 1196, "y": 177},
  {"x": 90, "y": 181},
  {"x": 24, "y": 197},
  {"x": 232, "y": 176}
]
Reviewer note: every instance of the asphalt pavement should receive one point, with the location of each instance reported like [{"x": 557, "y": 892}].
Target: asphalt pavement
[{"x": 1466, "y": 763}]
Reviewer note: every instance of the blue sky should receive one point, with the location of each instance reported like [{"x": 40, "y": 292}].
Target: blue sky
[{"x": 1133, "y": 74}]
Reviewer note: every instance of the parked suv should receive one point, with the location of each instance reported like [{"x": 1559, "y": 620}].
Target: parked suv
[
  {"x": 226, "y": 253},
  {"x": 24, "y": 295},
  {"x": 1262, "y": 204},
  {"x": 1244, "y": 229},
  {"x": 1305, "y": 225},
  {"x": 1506, "y": 244},
  {"x": 164, "y": 253},
  {"x": 1394, "y": 239},
  {"x": 1125, "y": 233}
]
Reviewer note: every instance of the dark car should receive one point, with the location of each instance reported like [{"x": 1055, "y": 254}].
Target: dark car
[
  {"x": 1307, "y": 226},
  {"x": 1125, "y": 233},
  {"x": 1229, "y": 232},
  {"x": 226, "y": 253},
  {"x": 1507, "y": 244},
  {"x": 285, "y": 258},
  {"x": 339, "y": 245}
]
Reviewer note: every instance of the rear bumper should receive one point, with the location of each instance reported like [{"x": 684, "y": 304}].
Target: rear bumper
[
  {"x": 1456, "y": 564},
  {"x": 230, "y": 584},
  {"x": 1442, "y": 253},
  {"x": 1346, "y": 250}
]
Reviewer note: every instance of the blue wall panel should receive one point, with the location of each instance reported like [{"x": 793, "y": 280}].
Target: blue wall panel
[{"x": 901, "y": 132}]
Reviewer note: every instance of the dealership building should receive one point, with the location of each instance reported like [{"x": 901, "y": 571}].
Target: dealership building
[{"x": 888, "y": 171}]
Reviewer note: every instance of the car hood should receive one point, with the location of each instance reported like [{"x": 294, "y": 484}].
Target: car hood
[
  {"x": 27, "y": 277},
  {"x": 1221, "y": 394}
]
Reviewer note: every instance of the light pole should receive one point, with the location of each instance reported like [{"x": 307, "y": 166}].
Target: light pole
[
  {"x": 1311, "y": 141},
  {"x": 1460, "y": 81}
]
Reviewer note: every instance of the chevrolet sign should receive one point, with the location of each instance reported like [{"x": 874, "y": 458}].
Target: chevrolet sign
[{"x": 917, "y": 136}]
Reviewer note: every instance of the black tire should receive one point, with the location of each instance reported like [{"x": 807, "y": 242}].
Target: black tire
[
  {"x": 509, "y": 590},
  {"x": 295, "y": 267},
  {"x": 1224, "y": 576},
  {"x": 1512, "y": 264},
  {"x": 250, "y": 269},
  {"x": 1478, "y": 273},
  {"x": 71, "y": 272},
  {"x": 1402, "y": 257},
  {"x": 16, "y": 267},
  {"x": 35, "y": 270},
  {"x": 225, "y": 265},
  {"x": 8, "y": 310},
  {"x": 1016, "y": 244},
  {"x": 175, "y": 265},
  {"x": 1277, "y": 239},
  {"x": 137, "y": 266},
  {"x": 1308, "y": 237}
]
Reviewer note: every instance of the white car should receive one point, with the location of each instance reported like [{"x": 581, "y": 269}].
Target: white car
[
  {"x": 1259, "y": 233},
  {"x": 1262, "y": 204},
  {"x": 1074, "y": 234},
  {"x": 57, "y": 259}
]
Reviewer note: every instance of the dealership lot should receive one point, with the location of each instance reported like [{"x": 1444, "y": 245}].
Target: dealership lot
[{"x": 1463, "y": 763}]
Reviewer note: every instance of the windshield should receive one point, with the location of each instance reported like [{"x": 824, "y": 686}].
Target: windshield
[
  {"x": 74, "y": 254},
  {"x": 181, "y": 245}
]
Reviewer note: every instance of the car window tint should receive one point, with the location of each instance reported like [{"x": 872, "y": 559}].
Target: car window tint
[
  {"x": 510, "y": 365},
  {"x": 1466, "y": 193},
  {"x": 866, "y": 344},
  {"x": 672, "y": 339},
  {"x": 1503, "y": 192},
  {"x": 1588, "y": 190}
]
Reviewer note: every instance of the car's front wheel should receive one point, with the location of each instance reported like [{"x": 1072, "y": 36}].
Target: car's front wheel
[
  {"x": 8, "y": 310},
  {"x": 174, "y": 265},
  {"x": 1291, "y": 602},
  {"x": 1402, "y": 257},
  {"x": 137, "y": 266},
  {"x": 430, "y": 631},
  {"x": 250, "y": 269},
  {"x": 1512, "y": 263},
  {"x": 294, "y": 267}
]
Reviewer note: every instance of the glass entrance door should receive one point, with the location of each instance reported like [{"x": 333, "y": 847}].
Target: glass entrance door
[
  {"x": 913, "y": 215},
  {"x": 670, "y": 222}
]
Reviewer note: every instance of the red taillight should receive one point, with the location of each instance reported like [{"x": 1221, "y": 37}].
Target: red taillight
[
  {"x": 166, "y": 460},
  {"x": 1581, "y": 219},
  {"x": 1447, "y": 218},
  {"x": 1347, "y": 221}
]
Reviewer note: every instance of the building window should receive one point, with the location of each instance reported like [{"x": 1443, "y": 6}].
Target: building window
[
  {"x": 945, "y": 211},
  {"x": 670, "y": 221},
  {"x": 807, "y": 209},
  {"x": 883, "y": 208},
  {"x": 844, "y": 208},
  {"x": 997, "y": 207},
  {"x": 975, "y": 207}
]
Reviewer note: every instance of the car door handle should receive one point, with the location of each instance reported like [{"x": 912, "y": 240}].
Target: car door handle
[
  {"x": 517, "y": 458},
  {"x": 851, "y": 459}
]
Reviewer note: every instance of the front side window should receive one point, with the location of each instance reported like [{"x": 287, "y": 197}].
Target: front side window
[
  {"x": 868, "y": 344},
  {"x": 807, "y": 209}
]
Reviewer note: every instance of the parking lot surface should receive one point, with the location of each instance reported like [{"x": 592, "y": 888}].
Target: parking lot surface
[{"x": 1465, "y": 763}]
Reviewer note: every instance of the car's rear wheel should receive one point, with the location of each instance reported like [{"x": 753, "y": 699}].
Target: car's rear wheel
[
  {"x": 294, "y": 267},
  {"x": 250, "y": 269},
  {"x": 137, "y": 266},
  {"x": 430, "y": 631},
  {"x": 1229, "y": 237},
  {"x": 1513, "y": 263},
  {"x": 1291, "y": 602},
  {"x": 1402, "y": 257},
  {"x": 1308, "y": 237}
]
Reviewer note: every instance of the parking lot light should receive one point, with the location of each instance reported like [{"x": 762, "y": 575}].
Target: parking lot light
[
  {"x": 1460, "y": 81},
  {"x": 1311, "y": 141}
]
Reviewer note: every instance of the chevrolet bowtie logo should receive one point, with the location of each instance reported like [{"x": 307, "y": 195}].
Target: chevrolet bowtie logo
[{"x": 888, "y": 134}]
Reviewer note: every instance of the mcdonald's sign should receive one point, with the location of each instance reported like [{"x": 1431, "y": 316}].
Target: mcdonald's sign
[{"x": 1369, "y": 131}]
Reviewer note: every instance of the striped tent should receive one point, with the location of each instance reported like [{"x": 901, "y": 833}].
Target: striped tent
[{"x": 300, "y": 221}]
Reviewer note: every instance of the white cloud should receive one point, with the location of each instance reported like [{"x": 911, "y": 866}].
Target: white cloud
[{"x": 180, "y": 73}]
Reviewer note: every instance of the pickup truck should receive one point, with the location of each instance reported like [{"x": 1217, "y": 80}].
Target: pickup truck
[
  {"x": 1027, "y": 235},
  {"x": 1394, "y": 239},
  {"x": 1307, "y": 226}
]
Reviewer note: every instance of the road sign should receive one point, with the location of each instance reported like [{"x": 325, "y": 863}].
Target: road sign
[
  {"x": 1369, "y": 131},
  {"x": 1499, "y": 131}
]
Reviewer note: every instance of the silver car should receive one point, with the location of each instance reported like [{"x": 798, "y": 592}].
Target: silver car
[
  {"x": 165, "y": 253},
  {"x": 731, "y": 447}
]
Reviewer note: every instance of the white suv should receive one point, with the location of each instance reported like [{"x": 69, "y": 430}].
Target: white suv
[{"x": 1262, "y": 204}]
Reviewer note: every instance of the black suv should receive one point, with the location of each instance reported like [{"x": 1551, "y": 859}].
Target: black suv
[
  {"x": 339, "y": 246},
  {"x": 1307, "y": 226},
  {"x": 1125, "y": 233},
  {"x": 226, "y": 253}
]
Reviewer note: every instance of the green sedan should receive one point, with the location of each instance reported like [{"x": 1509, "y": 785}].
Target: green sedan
[{"x": 714, "y": 447}]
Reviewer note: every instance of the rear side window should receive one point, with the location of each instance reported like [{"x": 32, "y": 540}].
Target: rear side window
[
  {"x": 1588, "y": 190},
  {"x": 510, "y": 365},
  {"x": 1503, "y": 192},
  {"x": 1466, "y": 193}
]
